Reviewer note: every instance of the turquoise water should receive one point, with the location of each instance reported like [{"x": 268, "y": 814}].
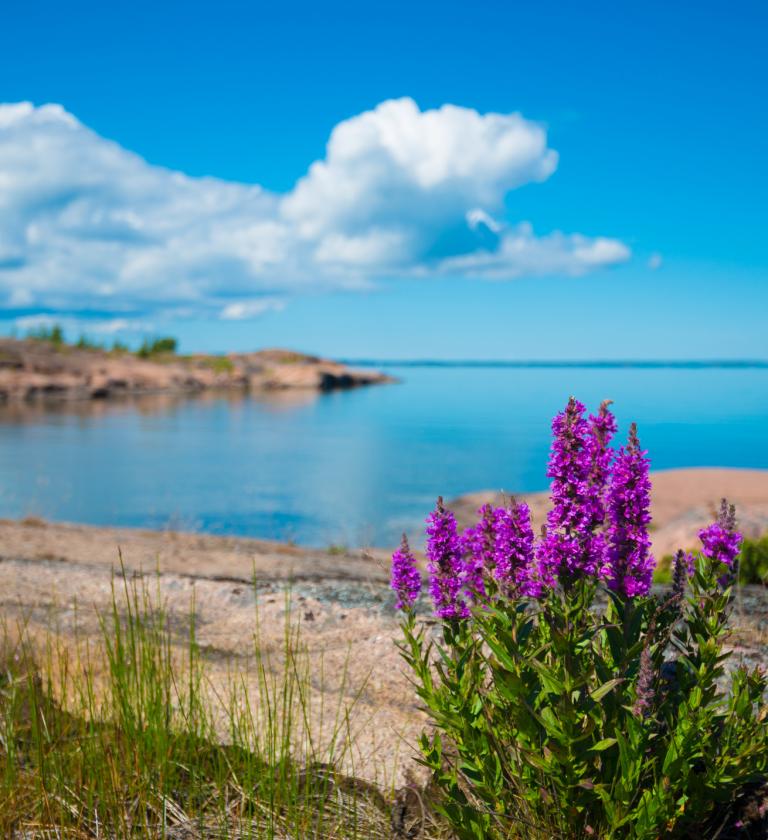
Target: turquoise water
[{"x": 354, "y": 467}]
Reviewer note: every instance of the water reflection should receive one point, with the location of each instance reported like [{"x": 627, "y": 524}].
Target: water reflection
[{"x": 37, "y": 411}]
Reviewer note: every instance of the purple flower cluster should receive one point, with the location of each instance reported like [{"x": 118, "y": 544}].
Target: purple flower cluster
[
  {"x": 597, "y": 527},
  {"x": 447, "y": 570},
  {"x": 579, "y": 465},
  {"x": 479, "y": 552},
  {"x": 406, "y": 580},
  {"x": 602, "y": 428},
  {"x": 720, "y": 540},
  {"x": 500, "y": 549},
  {"x": 630, "y": 564},
  {"x": 515, "y": 570}
]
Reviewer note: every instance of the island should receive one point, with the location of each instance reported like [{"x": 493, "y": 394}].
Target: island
[{"x": 33, "y": 369}]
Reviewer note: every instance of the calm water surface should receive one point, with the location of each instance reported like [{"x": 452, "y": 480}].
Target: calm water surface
[{"x": 354, "y": 467}]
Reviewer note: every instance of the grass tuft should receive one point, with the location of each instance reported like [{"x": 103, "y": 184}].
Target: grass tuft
[{"x": 130, "y": 737}]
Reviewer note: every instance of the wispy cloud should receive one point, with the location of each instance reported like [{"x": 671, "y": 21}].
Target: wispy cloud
[
  {"x": 88, "y": 225},
  {"x": 655, "y": 261},
  {"x": 248, "y": 309},
  {"x": 75, "y": 325}
]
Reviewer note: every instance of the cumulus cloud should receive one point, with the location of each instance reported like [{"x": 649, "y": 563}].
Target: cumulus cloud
[{"x": 88, "y": 225}]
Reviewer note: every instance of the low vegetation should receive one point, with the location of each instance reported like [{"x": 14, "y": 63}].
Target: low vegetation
[
  {"x": 149, "y": 348},
  {"x": 131, "y": 739},
  {"x": 219, "y": 364},
  {"x": 53, "y": 335},
  {"x": 165, "y": 346}
]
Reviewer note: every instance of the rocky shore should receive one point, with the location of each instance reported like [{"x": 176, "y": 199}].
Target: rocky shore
[{"x": 32, "y": 370}]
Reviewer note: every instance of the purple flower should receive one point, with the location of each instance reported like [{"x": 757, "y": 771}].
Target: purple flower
[
  {"x": 570, "y": 547},
  {"x": 500, "y": 547},
  {"x": 446, "y": 567},
  {"x": 630, "y": 564},
  {"x": 480, "y": 552},
  {"x": 406, "y": 580},
  {"x": 514, "y": 567},
  {"x": 720, "y": 540},
  {"x": 602, "y": 428}
]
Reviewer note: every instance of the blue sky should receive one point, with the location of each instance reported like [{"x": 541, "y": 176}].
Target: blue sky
[{"x": 656, "y": 112}]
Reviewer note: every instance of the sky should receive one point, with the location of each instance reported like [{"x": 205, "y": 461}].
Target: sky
[{"x": 400, "y": 180}]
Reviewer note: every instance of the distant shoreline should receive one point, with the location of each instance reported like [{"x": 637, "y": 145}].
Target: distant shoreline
[
  {"x": 50, "y": 370},
  {"x": 684, "y": 364}
]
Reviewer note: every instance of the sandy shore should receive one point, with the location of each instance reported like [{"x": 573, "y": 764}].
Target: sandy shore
[{"x": 57, "y": 576}]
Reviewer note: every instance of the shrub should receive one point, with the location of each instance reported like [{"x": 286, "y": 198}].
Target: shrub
[
  {"x": 53, "y": 334},
  {"x": 85, "y": 343},
  {"x": 157, "y": 347},
  {"x": 567, "y": 701},
  {"x": 219, "y": 364},
  {"x": 754, "y": 560}
]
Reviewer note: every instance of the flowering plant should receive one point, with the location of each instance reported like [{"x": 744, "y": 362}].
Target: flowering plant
[{"x": 568, "y": 700}]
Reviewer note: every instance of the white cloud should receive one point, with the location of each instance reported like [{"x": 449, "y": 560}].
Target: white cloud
[
  {"x": 19, "y": 298},
  {"x": 520, "y": 252},
  {"x": 477, "y": 218},
  {"x": 88, "y": 225},
  {"x": 35, "y": 322},
  {"x": 116, "y": 326},
  {"x": 655, "y": 261},
  {"x": 404, "y": 170},
  {"x": 74, "y": 326},
  {"x": 246, "y": 309}
]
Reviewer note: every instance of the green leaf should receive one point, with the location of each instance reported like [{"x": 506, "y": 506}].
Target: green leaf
[
  {"x": 548, "y": 679},
  {"x": 605, "y": 688},
  {"x": 604, "y": 744}
]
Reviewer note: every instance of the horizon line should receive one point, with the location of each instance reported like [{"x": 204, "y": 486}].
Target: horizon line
[{"x": 562, "y": 363}]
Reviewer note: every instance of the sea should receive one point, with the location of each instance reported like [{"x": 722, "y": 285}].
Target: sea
[{"x": 358, "y": 467}]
